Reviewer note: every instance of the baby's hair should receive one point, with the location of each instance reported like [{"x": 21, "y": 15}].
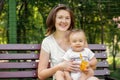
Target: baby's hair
[
  {"x": 79, "y": 30},
  {"x": 76, "y": 31}
]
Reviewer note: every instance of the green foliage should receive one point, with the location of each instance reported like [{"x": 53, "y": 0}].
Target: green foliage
[
  {"x": 90, "y": 15},
  {"x": 114, "y": 73},
  {"x": 3, "y": 22}
]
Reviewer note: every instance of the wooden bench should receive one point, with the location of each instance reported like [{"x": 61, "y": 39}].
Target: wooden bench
[{"x": 21, "y": 61}]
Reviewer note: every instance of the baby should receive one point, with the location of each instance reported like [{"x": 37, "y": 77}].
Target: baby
[{"x": 82, "y": 55}]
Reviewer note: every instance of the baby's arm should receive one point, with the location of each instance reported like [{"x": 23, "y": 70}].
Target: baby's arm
[
  {"x": 93, "y": 63},
  {"x": 89, "y": 71},
  {"x": 90, "y": 66}
]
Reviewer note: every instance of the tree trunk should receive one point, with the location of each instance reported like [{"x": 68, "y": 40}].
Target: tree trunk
[{"x": 114, "y": 63}]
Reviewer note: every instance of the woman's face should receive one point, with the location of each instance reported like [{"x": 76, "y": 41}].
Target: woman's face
[{"x": 62, "y": 20}]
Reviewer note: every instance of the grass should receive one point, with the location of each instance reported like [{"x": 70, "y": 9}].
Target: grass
[{"x": 114, "y": 73}]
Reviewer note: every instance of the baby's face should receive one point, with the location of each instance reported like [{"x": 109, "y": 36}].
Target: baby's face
[{"x": 77, "y": 41}]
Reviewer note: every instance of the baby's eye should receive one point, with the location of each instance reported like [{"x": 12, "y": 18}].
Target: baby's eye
[{"x": 81, "y": 40}]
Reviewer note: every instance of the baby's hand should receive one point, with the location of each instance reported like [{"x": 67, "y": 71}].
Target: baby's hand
[{"x": 84, "y": 66}]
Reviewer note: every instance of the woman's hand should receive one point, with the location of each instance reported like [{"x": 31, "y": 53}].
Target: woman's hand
[{"x": 69, "y": 66}]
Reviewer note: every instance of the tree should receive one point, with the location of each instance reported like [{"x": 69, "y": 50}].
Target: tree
[
  {"x": 1, "y": 5},
  {"x": 114, "y": 40}
]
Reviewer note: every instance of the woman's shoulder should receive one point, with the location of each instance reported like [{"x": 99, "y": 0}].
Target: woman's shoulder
[
  {"x": 48, "y": 38},
  {"x": 69, "y": 50}
]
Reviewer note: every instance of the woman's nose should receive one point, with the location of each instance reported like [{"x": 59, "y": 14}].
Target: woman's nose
[{"x": 63, "y": 20}]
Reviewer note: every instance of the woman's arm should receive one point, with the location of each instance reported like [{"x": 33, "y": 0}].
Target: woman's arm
[{"x": 43, "y": 71}]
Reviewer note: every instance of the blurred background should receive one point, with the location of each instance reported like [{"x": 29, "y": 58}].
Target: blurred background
[{"x": 24, "y": 21}]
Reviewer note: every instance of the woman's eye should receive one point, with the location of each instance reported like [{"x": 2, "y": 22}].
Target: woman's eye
[
  {"x": 67, "y": 18},
  {"x": 60, "y": 17}
]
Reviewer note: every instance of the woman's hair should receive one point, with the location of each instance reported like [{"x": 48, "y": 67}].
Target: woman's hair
[{"x": 50, "y": 22}]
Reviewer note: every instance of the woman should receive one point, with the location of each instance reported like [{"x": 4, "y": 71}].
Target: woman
[{"x": 59, "y": 22}]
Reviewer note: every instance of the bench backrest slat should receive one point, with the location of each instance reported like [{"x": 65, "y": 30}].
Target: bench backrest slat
[
  {"x": 101, "y": 55},
  {"x": 102, "y": 72},
  {"x": 19, "y": 47},
  {"x": 36, "y": 56},
  {"x": 19, "y": 74},
  {"x": 97, "y": 47},
  {"x": 37, "y": 47},
  {"x": 18, "y": 65},
  {"x": 22, "y": 65},
  {"x": 103, "y": 64},
  {"x": 23, "y": 56}
]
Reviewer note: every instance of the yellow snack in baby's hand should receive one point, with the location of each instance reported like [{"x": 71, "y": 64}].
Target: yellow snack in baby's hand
[{"x": 83, "y": 65}]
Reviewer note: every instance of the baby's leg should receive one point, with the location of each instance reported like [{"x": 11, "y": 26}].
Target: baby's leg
[
  {"x": 59, "y": 75},
  {"x": 88, "y": 76},
  {"x": 67, "y": 75},
  {"x": 92, "y": 78},
  {"x": 83, "y": 76},
  {"x": 75, "y": 75},
  {"x": 90, "y": 73}
]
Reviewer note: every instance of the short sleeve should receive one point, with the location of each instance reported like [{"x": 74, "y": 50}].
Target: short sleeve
[
  {"x": 45, "y": 45},
  {"x": 90, "y": 53}
]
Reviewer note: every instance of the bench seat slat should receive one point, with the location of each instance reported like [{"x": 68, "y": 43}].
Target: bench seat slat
[
  {"x": 19, "y": 74},
  {"x": 19, "y": 56}
]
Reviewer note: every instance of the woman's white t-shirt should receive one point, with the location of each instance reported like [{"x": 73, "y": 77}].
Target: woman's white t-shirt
[{"x": 50, "y": 45}]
